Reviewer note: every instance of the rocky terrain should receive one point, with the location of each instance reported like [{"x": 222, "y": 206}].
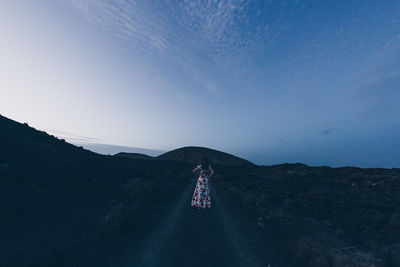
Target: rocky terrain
[
  {"x": 62, "y": 205},
  {"x": 324, "y": 216}
]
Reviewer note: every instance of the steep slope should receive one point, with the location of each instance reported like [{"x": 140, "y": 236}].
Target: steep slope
[
  {"x": 50, "y": 192},
  {"x": 22, "y": 142},
  {"x": 60, "y": 203},
  {"x": 193, "y": 155}
]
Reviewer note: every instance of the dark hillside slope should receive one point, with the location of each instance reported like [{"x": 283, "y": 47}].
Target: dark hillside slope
[
  {"x": 20, "y": 142},
  {"x": 193, "y": 155},
  {"x": 59, "y": 203},
  {"x": 50, "y": 191}
]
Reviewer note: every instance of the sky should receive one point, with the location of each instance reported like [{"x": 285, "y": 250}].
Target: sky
[{"x": 315, "y": 82}]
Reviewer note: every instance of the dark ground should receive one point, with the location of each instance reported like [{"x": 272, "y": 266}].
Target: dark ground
[
  {"x": 205, "y": 237},
  {"x": 61, "y": 205}
]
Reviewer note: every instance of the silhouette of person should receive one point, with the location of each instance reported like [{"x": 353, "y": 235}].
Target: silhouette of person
[{"x": 201, "y": 196}]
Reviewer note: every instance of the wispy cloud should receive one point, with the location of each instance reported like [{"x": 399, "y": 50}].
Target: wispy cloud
[
  {"x": 202, "y": 37},
  {"x": 129, "y": 20},
  {"x": 74, "y": 137}
]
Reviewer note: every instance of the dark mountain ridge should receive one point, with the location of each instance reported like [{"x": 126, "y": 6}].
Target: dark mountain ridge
[
  {"x": 16, "y": 138},
  {"x": 133, "y": 155},
  {"x": 193, "y": 154},
  {"x": 65, "y": 206}
]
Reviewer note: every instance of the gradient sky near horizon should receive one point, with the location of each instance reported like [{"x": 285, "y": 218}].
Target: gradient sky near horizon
[{"x": 316, "y": 82}]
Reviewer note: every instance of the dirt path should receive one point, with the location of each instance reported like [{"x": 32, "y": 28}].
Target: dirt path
[
  {"x": 198, "y": 240},
  {"x": 192, "y": 237}
]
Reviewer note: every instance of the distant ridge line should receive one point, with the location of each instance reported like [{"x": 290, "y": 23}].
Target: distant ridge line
[{"x": 193, "y": 154}]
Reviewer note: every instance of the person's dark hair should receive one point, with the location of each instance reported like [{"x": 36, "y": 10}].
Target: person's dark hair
[{"x": 204, "y": 163}]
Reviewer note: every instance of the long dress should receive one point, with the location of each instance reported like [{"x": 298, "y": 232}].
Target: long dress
[{"x": 201, "y": 196}]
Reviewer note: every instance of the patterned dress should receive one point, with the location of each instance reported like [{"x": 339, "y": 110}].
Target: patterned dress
[{"x": 201, "y": 196}]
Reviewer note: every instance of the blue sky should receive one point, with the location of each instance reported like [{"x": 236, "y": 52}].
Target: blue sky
[{"x": 316, "y": 82}]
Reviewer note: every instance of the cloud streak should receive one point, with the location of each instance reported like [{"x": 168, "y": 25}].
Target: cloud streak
[{"x": 202, "y": 37}]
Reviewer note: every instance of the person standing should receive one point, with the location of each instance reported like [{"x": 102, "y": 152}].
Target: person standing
[{"x": 201, "y": 197}]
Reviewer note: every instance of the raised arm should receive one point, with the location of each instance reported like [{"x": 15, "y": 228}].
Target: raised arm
[
  {"x": 195, "y": 169},
  {"x": 211, "y": 173}
]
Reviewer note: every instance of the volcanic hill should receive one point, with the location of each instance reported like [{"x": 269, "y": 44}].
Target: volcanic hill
[
  {"x": 133, "y": 155},
  {"x": 193, "y": 154}
]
